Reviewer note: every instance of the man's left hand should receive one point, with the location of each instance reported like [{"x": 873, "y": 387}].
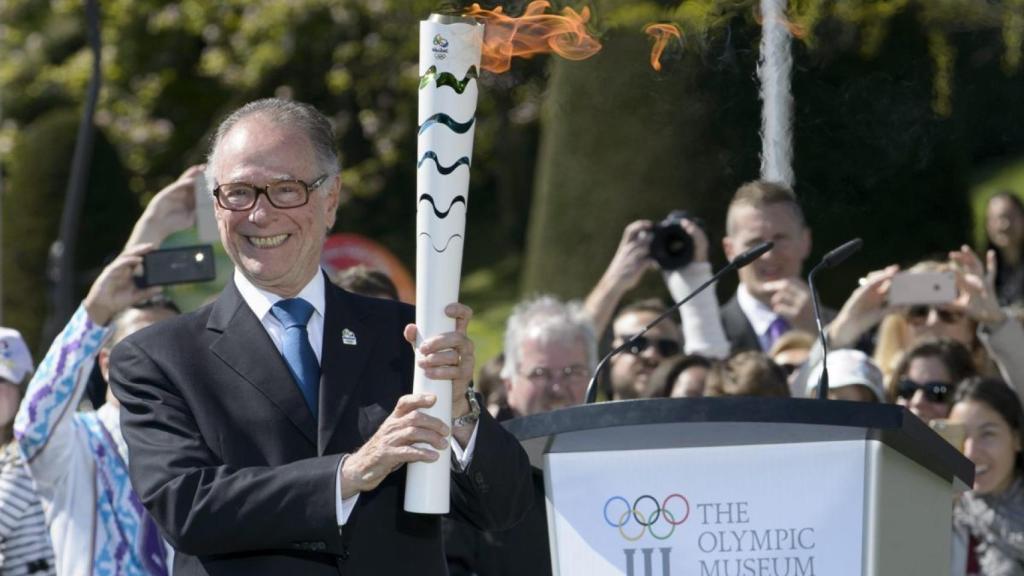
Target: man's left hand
[{"x": 449, "y": 356}]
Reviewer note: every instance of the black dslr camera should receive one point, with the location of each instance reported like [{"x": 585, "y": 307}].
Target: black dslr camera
[{"x": 672, "y": 247}]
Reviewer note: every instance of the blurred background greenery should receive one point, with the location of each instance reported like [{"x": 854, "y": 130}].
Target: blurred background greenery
[{"x": 908, "y": 114}]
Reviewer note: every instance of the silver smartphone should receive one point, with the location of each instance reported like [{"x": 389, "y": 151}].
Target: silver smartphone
[{"x": 909, "y": 288}]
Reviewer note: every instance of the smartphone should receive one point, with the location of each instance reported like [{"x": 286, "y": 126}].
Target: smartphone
[
  {"x": 950, "y": 431},
  {"x": 922, "y": 288},
  {"x": 183, "y": 265},
  {"x": 206, "y": 222}
]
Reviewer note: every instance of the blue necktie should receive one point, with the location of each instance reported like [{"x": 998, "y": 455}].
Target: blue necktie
[{"x": 294, "y": 313}]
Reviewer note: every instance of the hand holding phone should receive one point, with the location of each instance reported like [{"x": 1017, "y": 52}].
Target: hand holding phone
[
  {"x": 910, "y": 288},
  {"x": 182, "y": 265}
]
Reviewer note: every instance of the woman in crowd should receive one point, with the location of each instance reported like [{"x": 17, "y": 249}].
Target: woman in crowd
[
  {"x": 24, "y": 542},
  {"x": 925, "y": 378},
  {"x": 681, "y": 376},
  {"x": 1004, "y": 227},
  {"x": 989, "y": 520},
  {"x": 974, "y": 319},
  {"x": 747, "y": 374}
]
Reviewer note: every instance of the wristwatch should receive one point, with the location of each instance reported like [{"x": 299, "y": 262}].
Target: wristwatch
[{"x": 470, "y": 418}]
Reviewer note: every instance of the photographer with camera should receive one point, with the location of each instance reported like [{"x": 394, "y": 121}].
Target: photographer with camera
[{"x": 679, "y": 247}]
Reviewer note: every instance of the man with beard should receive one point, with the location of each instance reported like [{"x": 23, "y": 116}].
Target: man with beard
[{"x": 630, "y": 370}]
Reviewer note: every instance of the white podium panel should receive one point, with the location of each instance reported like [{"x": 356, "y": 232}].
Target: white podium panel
[{"x": 764, "y": 510}]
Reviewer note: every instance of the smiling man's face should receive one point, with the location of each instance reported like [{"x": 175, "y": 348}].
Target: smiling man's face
[{"x": 276, "y": 249}]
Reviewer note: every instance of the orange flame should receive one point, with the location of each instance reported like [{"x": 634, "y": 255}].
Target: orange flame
[
  {"x": 532, "y": 33},
  {"x": 661, "y": 33}
]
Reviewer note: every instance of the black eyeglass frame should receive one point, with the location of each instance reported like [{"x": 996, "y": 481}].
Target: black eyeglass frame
[
  {"x": 666, "y": 347},
  {"x": 938, "y": 392},
  {"x": 265, "y": 190}
]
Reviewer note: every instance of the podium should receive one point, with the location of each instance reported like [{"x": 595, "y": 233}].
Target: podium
[{"x": 744, "y": 487}]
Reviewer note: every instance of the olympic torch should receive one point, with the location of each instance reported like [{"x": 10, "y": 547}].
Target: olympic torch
[{"x": 449, "y": 62}]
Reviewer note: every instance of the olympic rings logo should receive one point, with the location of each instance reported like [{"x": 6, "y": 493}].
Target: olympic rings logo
[{"x": 648, "y": 513}]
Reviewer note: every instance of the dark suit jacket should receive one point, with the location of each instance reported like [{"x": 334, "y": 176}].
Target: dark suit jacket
[
  {"x": 226, "y": 456},
  {"x": 741, "y": 334},
  {"x": 523, "y": 550}
]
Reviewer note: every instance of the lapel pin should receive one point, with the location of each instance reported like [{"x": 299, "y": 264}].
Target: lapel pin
[{"x": 348, "y": 337}]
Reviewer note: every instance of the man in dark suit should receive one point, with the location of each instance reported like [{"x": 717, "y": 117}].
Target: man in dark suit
[
  {"x": 265, "y": 429},
  {"x": 772, "y": 298}
]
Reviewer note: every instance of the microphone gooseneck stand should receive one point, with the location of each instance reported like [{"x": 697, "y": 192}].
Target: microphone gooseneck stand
[{"x": 736, "y": 263}]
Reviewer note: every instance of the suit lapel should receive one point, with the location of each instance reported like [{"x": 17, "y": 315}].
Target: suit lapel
[
  {"x": 347, "y": 345},
  {"x": 245, "y": 346}
]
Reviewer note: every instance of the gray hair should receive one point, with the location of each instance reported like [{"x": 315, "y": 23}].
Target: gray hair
[
  {"x": 547, "y": 319},
  {"x": 303, "y": 116}
]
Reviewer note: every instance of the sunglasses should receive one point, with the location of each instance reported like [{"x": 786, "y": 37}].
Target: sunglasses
[
  {"x": 933, "y": 391},
  {"x": 919, "y": 314},
  {"x": 664, "y": 346}
]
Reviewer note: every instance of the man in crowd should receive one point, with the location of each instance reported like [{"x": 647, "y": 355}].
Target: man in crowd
[
  {"x": 701, "y": 326},
  {"x": 266, "y": 429},
  {"x": 630, "y": 370},
  {"x": 550, "y": 353},
  {"x": 771, "y": 298}
]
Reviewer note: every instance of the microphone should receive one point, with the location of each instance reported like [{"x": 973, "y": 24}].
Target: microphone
[
  {"x": 830, "y": 260},
  {"x": 736, "y": 263}
]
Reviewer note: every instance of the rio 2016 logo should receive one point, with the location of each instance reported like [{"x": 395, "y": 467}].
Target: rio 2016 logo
[{"x": 440, "y": 47}]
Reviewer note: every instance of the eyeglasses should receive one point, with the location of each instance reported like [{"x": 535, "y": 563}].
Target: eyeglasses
[
  {"x": 933, "y": 391},
  {"x": 241, "y": 196},
  {"x": 664, "y": 346},
  {"x": 919, "y": 314},
  {"x": 542, "y": 376}
]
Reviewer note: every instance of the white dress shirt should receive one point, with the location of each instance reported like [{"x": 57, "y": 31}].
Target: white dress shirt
[
  {"x": 261, "y": 301},
  {"x": 759, "y": 314}
]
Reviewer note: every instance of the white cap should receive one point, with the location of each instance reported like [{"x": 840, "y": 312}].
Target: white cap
[
  {"x": 849, "y": 367},
  {"x": 15, "y": 360}
]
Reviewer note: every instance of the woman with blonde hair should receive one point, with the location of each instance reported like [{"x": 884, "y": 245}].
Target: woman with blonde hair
[{"x": 974, "y": 318}]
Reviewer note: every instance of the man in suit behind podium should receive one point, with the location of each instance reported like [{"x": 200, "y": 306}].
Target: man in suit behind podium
[
  {"x": 267, "y": 431},
  {"x": 772, "y": 298}
]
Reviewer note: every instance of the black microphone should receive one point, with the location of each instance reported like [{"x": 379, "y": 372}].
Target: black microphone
[
  {"x": 736, "y": 263},
  {"x": 830, "y": 260}
]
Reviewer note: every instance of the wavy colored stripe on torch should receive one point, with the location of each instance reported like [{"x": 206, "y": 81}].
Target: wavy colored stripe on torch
[
  {"x": 445, "y": 248},
  {"x": 448, "y": 79},
  {"x": 444, "y": 170},
  {"x": 451, "y": 123},
  {"x": 438, "y": 213},
  {"x": 507, "y": 37},
  {"x": 661, "y": 33}
]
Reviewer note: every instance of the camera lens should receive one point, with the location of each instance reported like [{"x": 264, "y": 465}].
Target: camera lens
[{"x": 671, "y": 246}]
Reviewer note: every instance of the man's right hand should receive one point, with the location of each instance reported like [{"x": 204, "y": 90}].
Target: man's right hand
[
  {"x": 632, "y": 258},
  {"x": 394, "y": 444}
]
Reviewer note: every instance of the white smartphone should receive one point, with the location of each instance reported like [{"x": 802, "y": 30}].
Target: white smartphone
[
  {"x": 206, "y": 222},
  {"x": 922, "y": 288}
]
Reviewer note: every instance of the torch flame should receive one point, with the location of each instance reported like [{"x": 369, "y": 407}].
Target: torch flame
[
  {"x": 532, "y": 33},
  {"x": 661, "y": 33}
]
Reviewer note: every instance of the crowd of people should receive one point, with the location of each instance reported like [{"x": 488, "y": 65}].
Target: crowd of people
[{"x": 247, "y": 413}]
